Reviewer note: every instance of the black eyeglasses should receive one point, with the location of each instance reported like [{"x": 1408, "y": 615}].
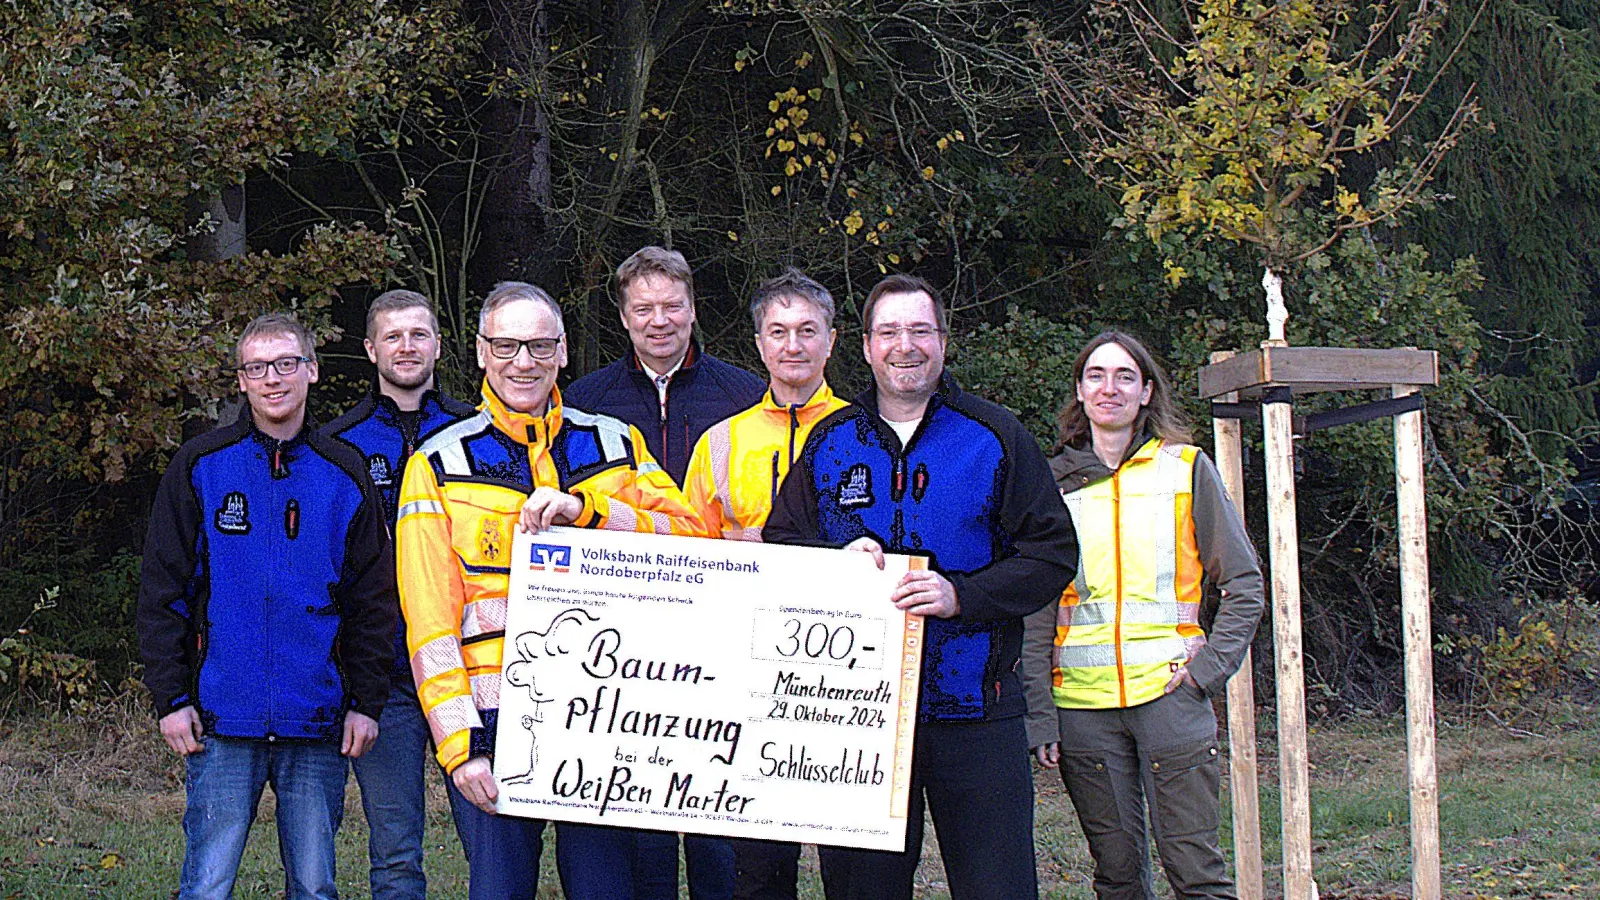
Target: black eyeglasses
[
  {"x": 508, "y": 348},
  {"x": 285, "y": 365}
]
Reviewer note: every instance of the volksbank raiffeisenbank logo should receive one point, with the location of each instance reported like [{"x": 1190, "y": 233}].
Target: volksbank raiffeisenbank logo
[{"x": 551, "y": 557}]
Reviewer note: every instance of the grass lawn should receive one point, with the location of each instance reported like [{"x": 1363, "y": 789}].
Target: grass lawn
[{"x": 91, "y": 808}]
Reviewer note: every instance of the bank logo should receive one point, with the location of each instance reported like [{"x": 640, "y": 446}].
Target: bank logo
[
  {"x": 233, "y": 516},
  {"x": 551, "y": 557}
]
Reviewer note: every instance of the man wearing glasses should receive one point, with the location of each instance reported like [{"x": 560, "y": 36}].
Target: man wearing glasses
[
  {"x": 672, "y": 391},
  {"x": 402, "y": 410},
  {"x": 916, "y": 465},
  {"x": 524, "y": 457},
  {"x": 266, "y": 616}
]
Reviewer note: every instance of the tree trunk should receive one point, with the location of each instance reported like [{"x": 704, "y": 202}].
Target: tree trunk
[{"x": 515, "y": 238}]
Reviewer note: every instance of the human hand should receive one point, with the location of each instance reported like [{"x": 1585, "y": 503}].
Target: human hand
[
  {"x": 1048, "y": 755},
  {"x": 182, "y": 732},
  {"x": 475, "y": 780},
  {"x": 868, "y": 545},
  {"x": 547, "y": 506},
  {"x": 359, "y": 733},
  {"x": 1178, "y": 678},
  {"x": 924, "y": 592}
]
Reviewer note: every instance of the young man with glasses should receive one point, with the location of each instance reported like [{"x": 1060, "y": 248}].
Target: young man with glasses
[
  {"x": 266, "y": 615},
  {"x": 402, "y": 410},
  {"x": 525, "y": 457},
  {"x": 916, "y": 465}
]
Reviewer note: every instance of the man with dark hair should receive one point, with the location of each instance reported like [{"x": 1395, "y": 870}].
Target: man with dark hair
[
  {"x": 266, "y": 615},
  {"x": 916, "y": 465},
  {"x": 525, "y": 456},
  {"x": 672, "y": 391},
  {"x": 666, "y": 385},
  {"x": 402, "y": 410}
]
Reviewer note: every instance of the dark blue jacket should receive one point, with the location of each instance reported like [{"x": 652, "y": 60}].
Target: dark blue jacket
[
  {"x": 702, "y": 393},
  {"x": 267, "y": 594},
  {"x": 386, "y": 438},
  {"x": 972, "y": 492}
]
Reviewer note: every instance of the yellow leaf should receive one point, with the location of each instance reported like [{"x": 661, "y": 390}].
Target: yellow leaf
[
  {"x": 960, "y": 136},
  {"x": 792, "y": 167},
  {"x": 927, "y": 173},
  {"x": 943, "y": 143},
  {"x": 853, "y": 221},
  {"x": 774, "y": 106},
  {"x": 777, "y": 189},
  {"x": 111, "y": 861},
  {"x": 739, "y": 64},
  {"x": 784, "y": 146},
  {"x": 894, "y": 258},
  {"x": 733, "y": 236}
]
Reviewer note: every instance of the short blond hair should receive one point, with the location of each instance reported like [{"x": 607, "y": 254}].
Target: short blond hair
[
  {"x": 272, "y": 324},
  {"x": 653, "y": 260},
  {"x": 389, "y": 301}
]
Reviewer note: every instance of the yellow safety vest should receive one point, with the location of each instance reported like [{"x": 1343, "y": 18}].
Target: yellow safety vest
[
  {"x": 459, "y": 503},
  {"x": 740, "y": 462},
  {"x": 1131, "y": 617}
]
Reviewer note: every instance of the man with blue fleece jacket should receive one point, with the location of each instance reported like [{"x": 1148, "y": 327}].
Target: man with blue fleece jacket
[
  {"x": 266, "y": 620},
  {"x": 386, "y": 427},
  {"x": 915, "y": 465}
]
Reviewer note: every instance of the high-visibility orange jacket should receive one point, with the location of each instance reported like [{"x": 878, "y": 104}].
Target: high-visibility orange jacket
[
  {"x": 460, "y": 500},
  {"x": 740, "y": 462},
  {"x": 1150, "y": 533}
]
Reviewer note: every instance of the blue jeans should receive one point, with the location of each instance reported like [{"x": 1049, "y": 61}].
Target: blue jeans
[
  {"x": 977, "y": 783},
  {"x": 502, "y": 851},
  {"x": 392, "y": 796},
  {"x": 224, "y": 782}
]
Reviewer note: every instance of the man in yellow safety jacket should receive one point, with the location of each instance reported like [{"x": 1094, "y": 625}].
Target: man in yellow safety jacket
[
  {"x": 740, "y": 462},
  {"x": 523, "y": 455}
]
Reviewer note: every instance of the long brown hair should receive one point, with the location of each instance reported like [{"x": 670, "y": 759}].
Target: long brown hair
[{"x": 1160, "y": 417}]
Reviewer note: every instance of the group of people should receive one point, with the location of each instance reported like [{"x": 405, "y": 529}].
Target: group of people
[{"x": 317, "y": 597}]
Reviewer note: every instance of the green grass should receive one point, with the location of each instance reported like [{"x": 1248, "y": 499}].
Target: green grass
[{"x": 91, "y": 808}]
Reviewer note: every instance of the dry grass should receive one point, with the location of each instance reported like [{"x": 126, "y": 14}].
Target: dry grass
[{"x": 90, "y": 807}]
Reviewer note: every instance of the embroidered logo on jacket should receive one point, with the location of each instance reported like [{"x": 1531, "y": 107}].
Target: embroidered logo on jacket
[
  {"x": 855, "y": 490},
  {"x": 233, "y": 516},
  {"x": 490, "y": 542},
  {"x": 378, "y": 469}
]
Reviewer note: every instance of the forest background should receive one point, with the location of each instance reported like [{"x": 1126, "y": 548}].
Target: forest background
[{"x": 170, "y": 169}]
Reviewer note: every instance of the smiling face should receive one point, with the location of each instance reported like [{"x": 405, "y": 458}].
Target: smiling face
[
  {"x": 277, "y": 402},
  {"x": 404, "y": 345},
  {"x": 659, "y": 316},
  {"x": 905, "y": 348},
  {"x": 1112, "y": 389},
  {"x": 522, "y": 382},
  {"x": 795, "y": 343}
]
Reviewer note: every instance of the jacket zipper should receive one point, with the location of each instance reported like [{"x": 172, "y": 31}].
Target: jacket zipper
[{"x": 774, "y": 501}]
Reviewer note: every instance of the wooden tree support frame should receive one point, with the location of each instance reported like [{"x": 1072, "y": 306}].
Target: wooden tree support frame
[{"x": 1270, "y": 378}]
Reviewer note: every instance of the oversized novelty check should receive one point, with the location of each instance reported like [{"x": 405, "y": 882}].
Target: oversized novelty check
[{"x": 708, "y": 686}]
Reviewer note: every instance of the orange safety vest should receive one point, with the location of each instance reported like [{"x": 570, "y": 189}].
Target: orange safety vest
[{"x": 1131, "y": 616}]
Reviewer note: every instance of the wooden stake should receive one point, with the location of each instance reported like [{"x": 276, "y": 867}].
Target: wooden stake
[
  {"x": 1294, "y": 776},
  {"x": 1414, "y": 606},
  {"x": 1243, "y": 770}
]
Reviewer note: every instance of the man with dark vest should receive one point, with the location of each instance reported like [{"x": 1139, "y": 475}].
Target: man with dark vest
[
  {"x": 402, "y": 410},
  {"x": 672, "y": 391}
]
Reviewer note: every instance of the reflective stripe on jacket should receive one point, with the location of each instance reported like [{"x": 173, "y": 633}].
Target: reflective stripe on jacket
[
  {"x": 740, "y": 462},
  {"x": 460, "y": 500},
  {"x": 1131, "y": 617}
]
